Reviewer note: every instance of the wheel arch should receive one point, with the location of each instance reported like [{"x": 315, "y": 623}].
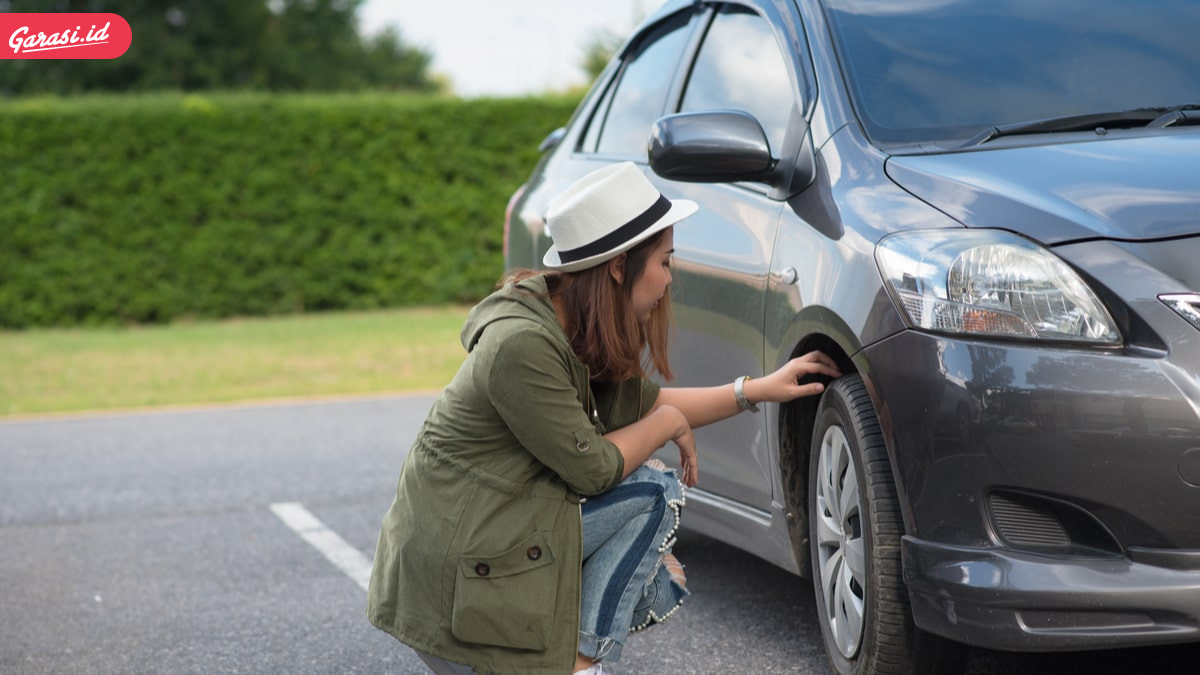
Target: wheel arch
[{"x": 796, "y": 420}]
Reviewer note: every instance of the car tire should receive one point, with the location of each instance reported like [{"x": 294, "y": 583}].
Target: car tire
[{"x": 855, "y": 527}]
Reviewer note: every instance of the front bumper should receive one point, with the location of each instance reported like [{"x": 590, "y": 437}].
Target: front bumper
[
  {"x": 1013, "y": 600},
  {"x": 1050, "y": 495}
]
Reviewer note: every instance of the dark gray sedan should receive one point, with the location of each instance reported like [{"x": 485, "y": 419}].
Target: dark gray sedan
[{"x": 989, "y": 214}]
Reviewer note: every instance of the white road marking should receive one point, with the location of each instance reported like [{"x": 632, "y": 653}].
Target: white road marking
[{"x": 343, "y": 556}]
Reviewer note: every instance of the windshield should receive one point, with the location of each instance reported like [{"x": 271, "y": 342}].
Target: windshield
[{"x": 942, "y": 71}]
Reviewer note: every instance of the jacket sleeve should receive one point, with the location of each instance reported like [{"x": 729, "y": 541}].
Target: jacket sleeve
[
  {"x": 530, "y": 387},
  {"x": 623, "y": 403}
]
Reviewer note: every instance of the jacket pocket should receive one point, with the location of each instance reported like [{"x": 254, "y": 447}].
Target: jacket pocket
[{"x": 507, "y": 599}]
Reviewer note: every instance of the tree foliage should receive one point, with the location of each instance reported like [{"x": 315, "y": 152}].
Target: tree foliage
[
  {"x": 189, "y": 45},
  {"x": 599, "y": 50}
]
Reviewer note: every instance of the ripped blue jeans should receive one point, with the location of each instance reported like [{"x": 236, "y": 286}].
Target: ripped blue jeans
[{"x": 626, "y": 532}]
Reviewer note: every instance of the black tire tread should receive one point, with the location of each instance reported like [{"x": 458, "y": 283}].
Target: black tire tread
[{"x": 896, "y": 646}]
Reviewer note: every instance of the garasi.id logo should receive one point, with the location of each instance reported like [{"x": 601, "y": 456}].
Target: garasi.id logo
[{"x": 64, "y": 35}]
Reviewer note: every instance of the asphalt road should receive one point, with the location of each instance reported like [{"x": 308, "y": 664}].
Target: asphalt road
[{"x": 146, "y": 543}]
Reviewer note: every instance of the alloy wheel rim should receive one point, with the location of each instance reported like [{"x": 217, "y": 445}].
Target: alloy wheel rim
[{"x": 840, "y": 545}]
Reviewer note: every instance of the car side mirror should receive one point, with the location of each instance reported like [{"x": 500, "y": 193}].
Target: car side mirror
[
  {"x": 722, "y": 146},
  {"x": 727, "y": 146}
]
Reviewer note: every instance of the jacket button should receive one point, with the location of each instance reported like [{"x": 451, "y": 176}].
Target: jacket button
[
  {"x": 482, "y": 569},
  {"x": 534, "y": 552},
  {"x": 583, "y": 446}
]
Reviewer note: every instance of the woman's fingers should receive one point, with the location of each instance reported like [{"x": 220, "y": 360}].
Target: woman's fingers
[
  {"x": 816, "y": 363},
  {"x": 690, "y": 469},
  {"x": 688, "y": 461},
  {"x": 817, "y": 355},
  {"x": 784, "y": 384},
  {"x": 810, "y": 389},
  {"x": 691, "y": 474}
]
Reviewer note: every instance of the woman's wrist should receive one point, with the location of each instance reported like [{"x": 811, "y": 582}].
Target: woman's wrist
[
  {"x": 747, "y": 400},
  {"x": 676, "y": 423}
]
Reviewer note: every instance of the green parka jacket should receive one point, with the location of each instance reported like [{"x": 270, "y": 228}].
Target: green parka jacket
[{"x": 479, "y": 556}]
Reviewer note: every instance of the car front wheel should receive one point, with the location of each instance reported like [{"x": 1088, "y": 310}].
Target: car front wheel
[{"x": 854, "y": 532}]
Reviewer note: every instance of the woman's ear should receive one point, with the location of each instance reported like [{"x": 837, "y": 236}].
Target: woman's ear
[{"x": 616, "y": 268}]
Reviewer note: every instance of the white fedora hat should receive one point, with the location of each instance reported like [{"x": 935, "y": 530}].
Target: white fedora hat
[{"x": 606, "y": 213}]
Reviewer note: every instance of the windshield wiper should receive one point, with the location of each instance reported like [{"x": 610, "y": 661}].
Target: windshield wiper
[
  {"x": 1177, "y": 116},
  {"x": 1149, "y": 117}
]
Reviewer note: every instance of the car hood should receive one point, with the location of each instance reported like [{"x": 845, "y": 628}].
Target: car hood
[{"x": 1133, "y": 188}]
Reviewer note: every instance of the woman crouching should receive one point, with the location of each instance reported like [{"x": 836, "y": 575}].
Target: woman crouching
[{"x": 531, "y": 530}]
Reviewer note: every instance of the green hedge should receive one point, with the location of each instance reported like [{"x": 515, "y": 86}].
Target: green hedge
[{"x": 152, "y": 208}]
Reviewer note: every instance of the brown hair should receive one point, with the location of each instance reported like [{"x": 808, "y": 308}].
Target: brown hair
[{"x": 601, "y": 326}]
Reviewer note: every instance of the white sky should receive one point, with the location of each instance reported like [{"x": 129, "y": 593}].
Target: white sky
[{"x": 505, "y": 47}]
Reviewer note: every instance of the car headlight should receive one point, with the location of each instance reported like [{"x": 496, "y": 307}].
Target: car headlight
[{"x": 990, "y": 282}]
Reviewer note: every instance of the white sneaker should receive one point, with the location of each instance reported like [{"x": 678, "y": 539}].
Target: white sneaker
[{"x": 594, "y": 669}]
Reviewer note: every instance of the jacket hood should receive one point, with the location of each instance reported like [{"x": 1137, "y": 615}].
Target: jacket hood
[
  {"x": 1137, "y": 188},
  {"x": 525, "y": 300}
]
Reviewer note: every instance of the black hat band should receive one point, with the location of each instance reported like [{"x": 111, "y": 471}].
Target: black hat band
[{"x": 622, "y": 234}]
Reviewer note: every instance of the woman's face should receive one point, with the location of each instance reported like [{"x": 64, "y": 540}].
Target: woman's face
[{"x": 652, "y": 285}]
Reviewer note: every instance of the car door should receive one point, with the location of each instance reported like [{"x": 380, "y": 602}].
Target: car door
[{"x": 723, "y": 253}]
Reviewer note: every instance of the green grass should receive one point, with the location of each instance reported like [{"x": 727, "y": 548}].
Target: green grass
[{"x": 53, "y": 371}]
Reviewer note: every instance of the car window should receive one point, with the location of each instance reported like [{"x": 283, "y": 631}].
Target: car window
[
  {"x": 597, "y": 123},
  {"x": 623, "y": 119},
  {"x": 741, "y": 67}
]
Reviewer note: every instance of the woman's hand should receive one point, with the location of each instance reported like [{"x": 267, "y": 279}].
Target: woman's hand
[
  {"x": 783, "y": 384},
  {"x": 688, "y": 460},
  {"x": 681, "y": 435}
]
